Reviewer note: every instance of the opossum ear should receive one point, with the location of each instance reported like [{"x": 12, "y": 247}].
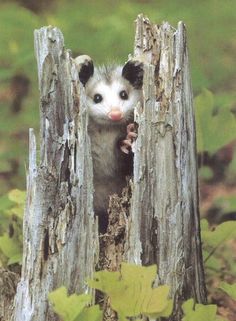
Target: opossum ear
[
  {"x": 85, "y": 68},
  {"x": 133, "y": 72}
]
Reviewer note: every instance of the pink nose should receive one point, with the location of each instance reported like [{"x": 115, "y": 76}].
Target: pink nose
[{"x": 115, "y": 114}]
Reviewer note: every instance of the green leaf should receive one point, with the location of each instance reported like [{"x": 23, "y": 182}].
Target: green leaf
[
  {"x": 17, "y": 196},
  {"x": 222, "y": 233},
  {"x": 231, "y": 170},
  {"x": 105, "y": 281},
  {"x": 204, "y": 225},
  {"x": 92, "y": 313},
  {"x": 68, "y": 307},
  {"x": 15, "y": 259},
  {"x": 17, "y": 211},
  {"x": 10, "y": 248},
  {"x": 199, "y": 312},
  {"x": 5, "y": 203},
  {"x": 211, "y": 134},
  {"x": 212, "y": 262},
  {"x": 131, "y": 292},
  {"x": 230, "y": 289}
]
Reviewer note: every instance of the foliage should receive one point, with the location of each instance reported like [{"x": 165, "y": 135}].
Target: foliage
[
  {"x": 16, "y": 59},
  {"x": 231, "y": 172},
  {"x": 222, "y": 233},
  {"x": 216, "y": 253},
  {"x": 11, "y": 215},
  {"x": 210, "y": 134},
  {"x": 230, "y": 289},
  {"x": 17, "y": 51},
  {"x": 109, "y": 25},
  {"x": 74, "y": 307},
  {"x": 131, "y": 291},
  {"x": 197, "y": 312}
]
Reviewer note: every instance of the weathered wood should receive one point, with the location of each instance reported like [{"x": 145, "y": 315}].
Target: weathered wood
[
  {"x": 164, "y": 207},
  {"x": 60, "y": 233},
  {"x": 112, "y": 243},
  {"x": 8, "y": 284}
]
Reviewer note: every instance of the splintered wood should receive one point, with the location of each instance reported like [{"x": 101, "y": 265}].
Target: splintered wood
[
  {"x": 164, "y": 207},
  {"x": 60, "y": 232}
]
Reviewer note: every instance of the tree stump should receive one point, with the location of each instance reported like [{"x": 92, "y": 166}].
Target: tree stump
[
  {"x": 60, "y": 231},
  {"x": 164, "y": 214},
  {"x": 162, "y": 224}
]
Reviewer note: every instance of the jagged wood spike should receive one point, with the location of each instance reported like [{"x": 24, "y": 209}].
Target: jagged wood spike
[{"x": 60, "y": 232}]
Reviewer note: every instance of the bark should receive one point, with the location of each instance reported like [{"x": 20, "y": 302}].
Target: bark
[
  {"x": 8, "y": 284},
  {"x": 165, "y": 207},
  {"x": 60, "y": 233},
  {"x": 113, "y": 243}
]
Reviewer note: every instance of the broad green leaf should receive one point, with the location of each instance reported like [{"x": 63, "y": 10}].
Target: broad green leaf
[
  {"x": 231, "y": 170},
  {"x": 93, "y": 313},
  {"x": 230, "y": 289},
  {"x": 187, "y": 306},
  {"x": 15, "y": 259},
  {"x": 211, "y": 261},
  {"x": 10, "y": 247},
  {"x": 165, "y": 306},
  {"x": 153, "y": 304},
  {"x": 17, "y": 211},
  {"x": 199, "y": 312},
  {"x": 211, "y": 133},
  {"x": 204, "y": 225},
  {"x": 5, "y": 203},
  {"x": 131, "y": 291},
  {"x": 17, "y": 196},
  {"x": 105, "y": 281},
  {"x": 68, "y": 307},
  {"x": 223, "y": 232}
]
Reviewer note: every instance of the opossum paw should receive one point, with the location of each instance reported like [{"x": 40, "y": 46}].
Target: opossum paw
[{"x": 126, "y": 144}]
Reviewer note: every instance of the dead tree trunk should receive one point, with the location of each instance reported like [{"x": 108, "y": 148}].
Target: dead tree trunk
[
  {"x": 162, "y": 225},
  {"x": 164, "y": 206},
  {"x": 60, "y": 233}
]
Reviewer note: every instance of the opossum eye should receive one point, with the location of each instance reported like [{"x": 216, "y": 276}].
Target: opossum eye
[
  {"x": 97, "y": 98},
  {"x": 123, "y": 95}
]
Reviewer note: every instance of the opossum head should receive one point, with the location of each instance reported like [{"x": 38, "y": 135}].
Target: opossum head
[{"x": 112, "y": 91}]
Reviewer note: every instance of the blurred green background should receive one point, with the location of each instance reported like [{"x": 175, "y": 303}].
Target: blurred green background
[{"x": 105, "y": 31}]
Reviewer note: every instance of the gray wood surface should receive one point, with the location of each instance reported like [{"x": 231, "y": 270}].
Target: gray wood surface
[
  {"x": 60, "y": 233},
  {"x": 164, "y": 225}
]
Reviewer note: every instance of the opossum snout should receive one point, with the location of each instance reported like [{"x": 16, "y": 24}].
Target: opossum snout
[{"x": 115, "y": 114}]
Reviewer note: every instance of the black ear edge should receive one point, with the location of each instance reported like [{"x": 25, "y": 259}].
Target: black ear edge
[
  {"x": 133, "y": 72},
  {"x": 85, "y": 68}
]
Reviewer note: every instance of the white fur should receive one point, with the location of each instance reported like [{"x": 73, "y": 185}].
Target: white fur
[
  {"x": 108, "y": 161},
  {"x": 111, "y": 99}
]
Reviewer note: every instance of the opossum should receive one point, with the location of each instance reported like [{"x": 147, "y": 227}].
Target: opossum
[{"x": 112, "y": 92}]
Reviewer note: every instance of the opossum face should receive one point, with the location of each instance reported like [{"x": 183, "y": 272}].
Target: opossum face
[
  {"x": 112, "y": 92},
  {"x": 111, "y": 102}
]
